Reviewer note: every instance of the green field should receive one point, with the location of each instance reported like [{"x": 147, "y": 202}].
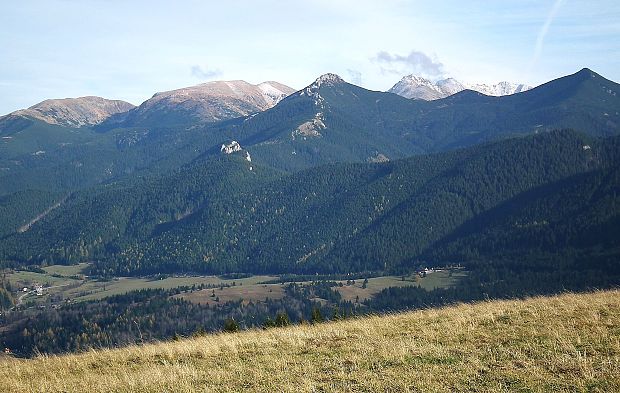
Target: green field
[
  {"x": 26, "y": 279},
  {"x": 67, "y": 270},
  {"x": 251, "y": 292},
  {"x": 100, "y": 290},
  {"x": 439, "y": 279},
  {"x": 68, "y": 283}
]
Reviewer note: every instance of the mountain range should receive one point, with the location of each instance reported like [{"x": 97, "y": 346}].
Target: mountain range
[
  {"x": 416, "y": 87},
  {"x": 334, "y": 121},
  {"x": 328, "y": 121},
  {"x": 331, "y": 178},
  {"x": 212, "y": 102}
]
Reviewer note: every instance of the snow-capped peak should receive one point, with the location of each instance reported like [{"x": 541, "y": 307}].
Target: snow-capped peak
[
  {"x": 500, "y": 89},
  {"x": 450, "y": 86},
  {"x": 412, "y": 86},
  {"x": 416, "y": 79}
]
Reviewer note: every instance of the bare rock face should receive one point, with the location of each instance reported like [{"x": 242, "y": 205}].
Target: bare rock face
[
  {"x": 74, "y": 112},
  {"x": 419, "y": 88},
  {"x": 231, "y": 147},
  {"x": 213, "y": 101}
]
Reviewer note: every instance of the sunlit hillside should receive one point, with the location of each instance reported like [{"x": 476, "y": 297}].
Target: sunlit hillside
[{"x": 565, "y": 343}]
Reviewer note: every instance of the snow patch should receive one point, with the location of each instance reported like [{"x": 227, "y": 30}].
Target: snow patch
[
  {"x": 271, "y": 93},
  {"x": 412, "y": 86}
]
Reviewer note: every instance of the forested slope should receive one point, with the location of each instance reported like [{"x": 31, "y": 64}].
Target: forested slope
[{"x": 218, "y": 215}]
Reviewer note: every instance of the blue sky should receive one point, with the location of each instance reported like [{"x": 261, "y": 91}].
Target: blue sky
[{"x": 129, "y": 50}]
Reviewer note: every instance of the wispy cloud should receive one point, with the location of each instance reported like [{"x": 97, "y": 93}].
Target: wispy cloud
[
  {"x": 542, "y": 34},
  {"x": 355, "y": 76},
  {"x": 415, "y": 62},
  {"x": 202, "y": 73}
]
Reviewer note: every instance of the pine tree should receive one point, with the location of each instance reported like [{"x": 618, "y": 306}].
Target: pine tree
[
  {"x": 230, "y": 325},
  {"x": 282, "y": 319},
  {"x": 316, "y": 316}
]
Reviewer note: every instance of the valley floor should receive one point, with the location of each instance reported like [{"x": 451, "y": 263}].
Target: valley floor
[{"x": 565, "y": 343}]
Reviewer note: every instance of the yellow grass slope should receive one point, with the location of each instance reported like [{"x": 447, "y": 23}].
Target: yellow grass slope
[{"x": 567, "y": 343}]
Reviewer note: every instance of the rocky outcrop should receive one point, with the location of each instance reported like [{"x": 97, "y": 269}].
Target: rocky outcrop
[{"x": 231, "y": 147}]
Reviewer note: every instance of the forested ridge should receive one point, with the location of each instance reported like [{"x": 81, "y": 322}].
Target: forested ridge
[{"x": 229, "y": 215}]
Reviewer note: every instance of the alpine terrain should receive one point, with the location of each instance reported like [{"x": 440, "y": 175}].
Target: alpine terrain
[
  {"x": 420, "y": 88},
  {"x": 207, "y": 102}
]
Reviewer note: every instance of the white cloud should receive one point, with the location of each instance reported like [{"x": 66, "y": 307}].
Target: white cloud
[
  {"x": 201, "y": 73},
  {"x": 415, "y": 62}
]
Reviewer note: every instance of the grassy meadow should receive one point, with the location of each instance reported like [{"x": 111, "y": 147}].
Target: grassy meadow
[
  {"x": 567, "y": 343},
  {"x": 64, "y": 283}
]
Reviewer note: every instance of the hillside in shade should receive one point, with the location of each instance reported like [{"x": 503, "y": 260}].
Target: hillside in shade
[{"x": 229, "y": 214}]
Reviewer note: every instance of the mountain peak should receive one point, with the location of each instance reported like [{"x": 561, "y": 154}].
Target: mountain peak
[
  {"x": 74, "y": 112},
  {"x": 413, "y": 86},
  {"x": 416, "y": 78},
  {"x": 585, "y": 74},
  {"x": 209, "y": 102},
  {"x": 416, "y": 87},
  {"x": 328, "y": 79}
]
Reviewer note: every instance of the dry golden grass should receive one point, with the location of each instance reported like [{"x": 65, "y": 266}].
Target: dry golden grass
[{"x": 567, "y": 343}]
